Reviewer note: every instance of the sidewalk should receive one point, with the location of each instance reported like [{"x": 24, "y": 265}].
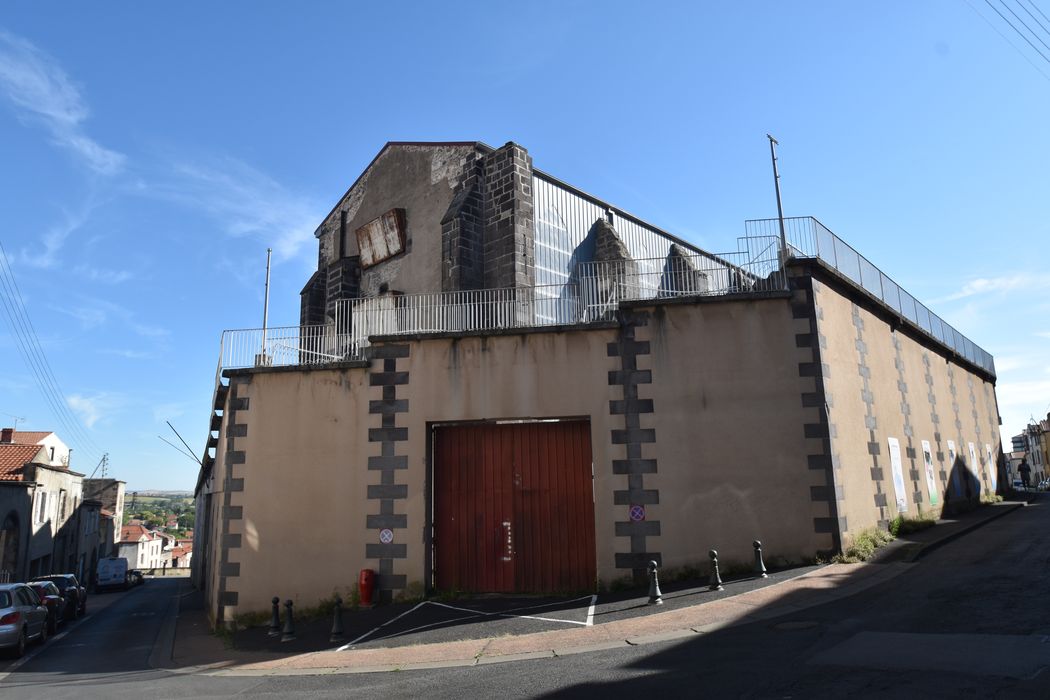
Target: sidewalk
[{"x": 197, "y": 650}]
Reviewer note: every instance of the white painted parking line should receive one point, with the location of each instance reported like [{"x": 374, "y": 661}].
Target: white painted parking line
[
  {"x": 370, "y": 632},
  {"x": 509, "y": 614},
  {"x": 475, "y": 615}
]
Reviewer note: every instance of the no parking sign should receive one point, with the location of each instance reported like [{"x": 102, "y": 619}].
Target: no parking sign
[{"x": 637, "y": 513}]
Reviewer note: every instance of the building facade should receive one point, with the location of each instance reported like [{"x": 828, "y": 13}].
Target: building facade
[{"x": 500, "y": 383}]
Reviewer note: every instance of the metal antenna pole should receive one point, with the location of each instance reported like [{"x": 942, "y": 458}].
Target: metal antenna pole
[
  {"x": 773, "y": 143},
  {"x": 266, "y": 301}
]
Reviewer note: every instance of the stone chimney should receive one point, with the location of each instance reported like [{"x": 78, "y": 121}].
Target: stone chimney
[{"x": 7, "y": 436}]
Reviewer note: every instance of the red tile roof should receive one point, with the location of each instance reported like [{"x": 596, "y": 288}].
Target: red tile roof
[
  {"x": 135, "y": 533},
  {"x": 14, "y": 457},
  {"x": 29, "y": 437}
]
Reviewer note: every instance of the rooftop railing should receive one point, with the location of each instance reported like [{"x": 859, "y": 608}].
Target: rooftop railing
[
  {"x": 808, "y": 238},
  {"x": 593, "y": 294}
]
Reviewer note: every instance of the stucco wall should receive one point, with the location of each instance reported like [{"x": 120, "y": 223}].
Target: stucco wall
[
  {"x": 883, "y": 382},
  {"x": 729, "y": 449},
  {"x": 418, "y": 179}
]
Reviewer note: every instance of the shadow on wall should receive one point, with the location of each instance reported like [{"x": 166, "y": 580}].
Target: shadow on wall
[{"x": 963, "y": 490}]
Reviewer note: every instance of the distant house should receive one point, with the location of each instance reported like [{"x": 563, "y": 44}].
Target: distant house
[
  {"x": 44, "y": 526},
  {"x": 110, "y": 492},
  {"x": 181, "y": 554},
  {"x": 143, "y": 548},
  {"x": 56, "y": 452}
]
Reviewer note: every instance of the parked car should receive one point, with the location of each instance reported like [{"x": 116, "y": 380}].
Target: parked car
[
  {"x": 112, "y": 572},
  {"x": 22, "y": 617},
  {"x": 72, "y": 591},
  {"x": 53, "y": 600},
  {"x": 135, "y": 577}
]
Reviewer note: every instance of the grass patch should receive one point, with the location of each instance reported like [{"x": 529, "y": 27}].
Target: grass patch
[
  {"x": 903, "y": 525},
  {"x": 863, "y": 546},
  {"x": 989, "y": 498}
]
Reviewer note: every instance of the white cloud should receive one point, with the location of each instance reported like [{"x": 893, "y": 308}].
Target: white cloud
[
  {"x": 97, "y": 274},
  {"x": 92, "y": 313},
  {"x": 92, "y": 409},
  {"x": 128, "y": 354},
  {"x": 245, "y": 202},
  {"x": 168, "y": 411},
  {"x": 42, "y": 92},
  {"x": 986, "y": 286}
]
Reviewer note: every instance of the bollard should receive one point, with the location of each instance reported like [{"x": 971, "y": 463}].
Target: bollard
[
  {"x": 760, "y": 566},
  {"x": 337, "y": 622},
  {"x": 655, "y": 596},
  {"x": 715, "y": 584},
  {"x": 288, "y": 633},
  {"x": 275, "y": 619}
]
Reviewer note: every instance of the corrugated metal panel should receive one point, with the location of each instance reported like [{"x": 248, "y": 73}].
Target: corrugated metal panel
[{"x": 513, "y": 508}]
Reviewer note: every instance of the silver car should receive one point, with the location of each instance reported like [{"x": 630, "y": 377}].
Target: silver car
[{"x": 22, "y": 617}]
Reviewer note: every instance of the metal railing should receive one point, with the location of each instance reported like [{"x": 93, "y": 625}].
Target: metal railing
[
  {"x": 603, "y": 285},
  {"x": 808, "y": 238},
  {"x": 593, "y": 294},
  {"x": 288, "y": 345},
  {"x": 464, "y": 311}
]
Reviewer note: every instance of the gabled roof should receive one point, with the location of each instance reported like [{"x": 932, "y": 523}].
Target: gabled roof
[
  {"x": 13, "y": 457},
  {"x": 134, "y": 534},
  {"x": 30, "y": 437}
]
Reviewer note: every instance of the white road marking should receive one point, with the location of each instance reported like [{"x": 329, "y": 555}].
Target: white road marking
[
  {"x": 474, "y": 614},
  {"x": 370, "y": 632},
  {"x": 590, "y": 610}
]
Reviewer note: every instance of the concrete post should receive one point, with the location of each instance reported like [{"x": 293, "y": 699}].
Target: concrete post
[
  {"x": 337, "y": 622},
  {"x": 275, "y": 619},
  {"x": 288, "y": 633},
  {"x": 760, "y": 566},
  {"x": 655, "y": 596},
  {"x": 715, "y": 583}
]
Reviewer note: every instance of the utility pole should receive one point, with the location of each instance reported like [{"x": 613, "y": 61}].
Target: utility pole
[
  {"x": 773, "y": 143},
  {"x": 266, "y": 306}
]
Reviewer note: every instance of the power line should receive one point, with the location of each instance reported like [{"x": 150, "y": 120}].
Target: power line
[
  {"x": 34, "y": 356},
  {"x": 18, "y": 327},
  {"x": 1023, "y": 24},
  {"x": 995, "y": 29},
  {"x": 1041, "y": 25},
  {"x": 1016, "y": 30}
]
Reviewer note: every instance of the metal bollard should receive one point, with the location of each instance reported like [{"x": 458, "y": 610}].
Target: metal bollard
[
  {"x": 655, "y": 596},
  {"x": 275, "y": 619},
  {"x": 288, "y": 633},
  {"x": 715, "y": 584},
  {"x": 760, "y": 566},
  {"x": 337, "y": 622}
]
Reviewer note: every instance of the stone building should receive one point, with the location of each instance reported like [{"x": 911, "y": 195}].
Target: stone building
[{"x": 501, "y": 383}]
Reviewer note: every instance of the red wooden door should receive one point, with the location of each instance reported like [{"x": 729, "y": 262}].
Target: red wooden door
[{"x": 513, "y": 508}]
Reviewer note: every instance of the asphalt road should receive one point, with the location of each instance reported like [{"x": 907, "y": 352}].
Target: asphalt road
[{"x": 968, "y": 620}]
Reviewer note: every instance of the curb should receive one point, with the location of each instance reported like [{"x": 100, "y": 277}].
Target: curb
[
  {"x": 937, "y": 544},
  {"x": 164, "y": 645}
]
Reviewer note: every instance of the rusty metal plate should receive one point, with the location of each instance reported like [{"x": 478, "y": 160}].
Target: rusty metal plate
[{"x": 382, "y": 238}]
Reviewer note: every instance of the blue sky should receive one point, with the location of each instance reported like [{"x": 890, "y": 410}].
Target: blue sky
[{"x": 151, "y": 153}]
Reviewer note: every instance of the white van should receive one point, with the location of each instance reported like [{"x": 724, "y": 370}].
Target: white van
[{"x": 112, "y": 573}]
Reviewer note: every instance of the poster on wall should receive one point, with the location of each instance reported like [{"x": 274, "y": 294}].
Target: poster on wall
[
  {"x": 956, "y": 476},
  {"x": 991, "y": 467},
  {"x": 974, "y": 464},
  {"x": 931, "y": 481},
  {"x": 898, "y": 475}
]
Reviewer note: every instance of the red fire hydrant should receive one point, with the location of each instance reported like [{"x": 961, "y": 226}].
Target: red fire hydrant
[{"x": 366, "y": 584}]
